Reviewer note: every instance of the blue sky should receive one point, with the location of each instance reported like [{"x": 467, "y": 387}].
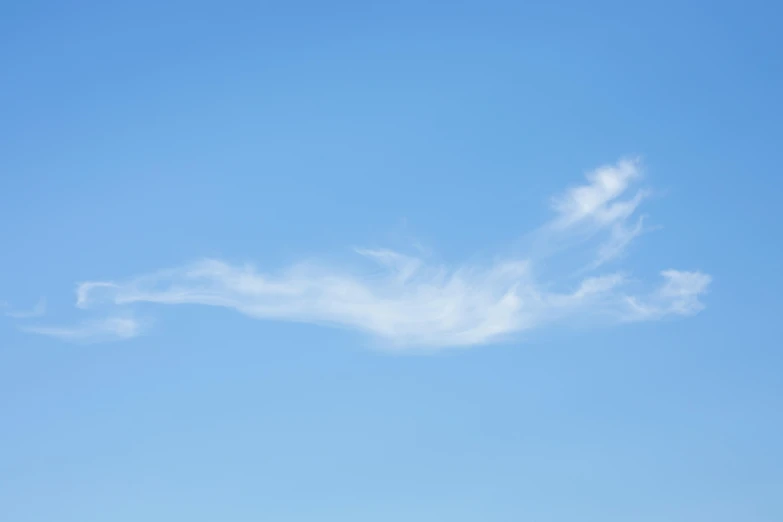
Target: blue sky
[{"x": 355, "y": 261}]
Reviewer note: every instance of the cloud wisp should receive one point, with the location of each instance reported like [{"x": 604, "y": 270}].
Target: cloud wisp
[
  {"x": 416, "y": 303},
  {"x": 37, "y": 311},
  {"x": 100, "y": 330}
]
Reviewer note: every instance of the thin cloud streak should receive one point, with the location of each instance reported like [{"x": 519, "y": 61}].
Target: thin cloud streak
[
  {"x": 107, "y": 329},
  {"x": 37, "y": 311}
]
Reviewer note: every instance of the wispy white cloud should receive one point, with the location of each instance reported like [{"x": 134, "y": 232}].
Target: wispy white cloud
[
  {"x": 107, "y": 329},
  {"x": 411, "y": 301},
  {"x": 602, "y": 206},
  {"x": 678, "y": 295},
  {"x": 426, "y": 306},
  {"x": 37, "y": 311},
  {"x": 620, "y": 236},
  {"x": 600, "y": 201}
]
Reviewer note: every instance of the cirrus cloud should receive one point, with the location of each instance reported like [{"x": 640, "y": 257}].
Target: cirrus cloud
[{"x": 414, "y": 302}]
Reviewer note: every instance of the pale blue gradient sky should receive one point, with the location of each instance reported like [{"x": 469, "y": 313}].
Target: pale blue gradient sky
[{"x": 147, "y": 137}]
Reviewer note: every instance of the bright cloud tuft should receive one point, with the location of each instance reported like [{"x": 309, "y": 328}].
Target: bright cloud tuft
[{"x": 599, "y": 201}]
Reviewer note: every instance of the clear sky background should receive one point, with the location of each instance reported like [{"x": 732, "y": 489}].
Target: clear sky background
[{"x": 390, "y": 261}]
